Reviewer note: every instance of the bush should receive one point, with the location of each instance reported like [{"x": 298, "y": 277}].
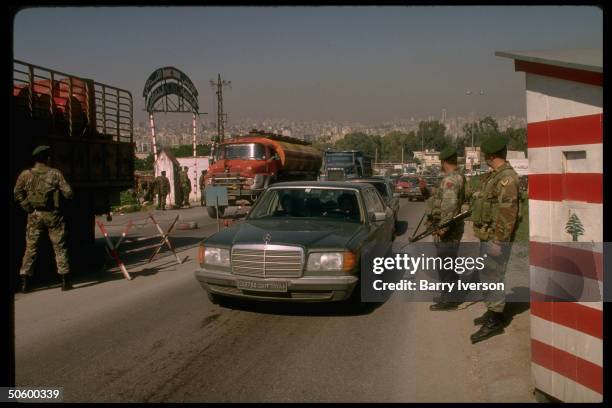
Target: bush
[{"x": 127, "y": 197}]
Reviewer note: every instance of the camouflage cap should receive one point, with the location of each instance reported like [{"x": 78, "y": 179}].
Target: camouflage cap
[
  {"x": 493, "y": 144},
  {"x": 40, "y": 149},
  {"x": 447, "y": 153}
]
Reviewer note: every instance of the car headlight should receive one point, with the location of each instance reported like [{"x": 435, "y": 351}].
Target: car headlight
[
  {"x": 216, "y": 256},
  {"x": 331, "y": 261}
]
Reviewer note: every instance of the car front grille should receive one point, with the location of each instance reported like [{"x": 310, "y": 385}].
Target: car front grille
[{"x": 278, "y": 261}]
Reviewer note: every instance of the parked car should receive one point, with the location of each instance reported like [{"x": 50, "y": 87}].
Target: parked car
[
  {"x": 386, "y": 190},
  {"x": 411, "y": 186},
  {"x": 301, "y": 242}
]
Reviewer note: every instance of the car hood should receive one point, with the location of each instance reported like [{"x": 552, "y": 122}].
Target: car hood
[{"x": 308, "y": 233}]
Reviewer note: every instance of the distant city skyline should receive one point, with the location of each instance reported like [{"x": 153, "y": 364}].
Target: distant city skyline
[{"x": 360, "y": 64}]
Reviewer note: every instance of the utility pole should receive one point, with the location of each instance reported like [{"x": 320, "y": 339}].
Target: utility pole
[{"x": 219, "y": 84}]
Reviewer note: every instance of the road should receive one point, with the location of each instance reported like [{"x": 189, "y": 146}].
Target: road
[{"x": 158, "y": 338}]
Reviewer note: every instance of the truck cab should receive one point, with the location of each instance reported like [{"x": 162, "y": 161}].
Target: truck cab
[
  {"x": 342, "y": 165},
  {"x": 247, "y": 165}
]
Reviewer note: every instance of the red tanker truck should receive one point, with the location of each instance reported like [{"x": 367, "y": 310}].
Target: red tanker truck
[{"x": 246, "y": 165}]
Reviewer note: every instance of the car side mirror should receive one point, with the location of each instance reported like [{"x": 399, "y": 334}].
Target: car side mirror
[
  {"x": 378, "y": 216},
  {"x": 396, "y": 195}
]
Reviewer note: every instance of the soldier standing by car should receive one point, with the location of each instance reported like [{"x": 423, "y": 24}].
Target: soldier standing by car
[
  {"x": 162, "y": 188},
  {"x": 495, "y": 213},
  {"x": 202, "y": 183},
  {"x": 38, "y": 192},
  {"x": 185, "y": 186},
  {"x": 444, "y": 205}
]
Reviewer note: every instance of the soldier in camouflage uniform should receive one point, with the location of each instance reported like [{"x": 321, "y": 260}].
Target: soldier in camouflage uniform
[
  {"x": 202, "y": 182},
  {"x": 442, "y": 206},
  {"x": 162, "y": 188},
  {"x": 185, "y": 186},
  {"x": 38, "y": 191},
  {"x": 495, "y": 212}
]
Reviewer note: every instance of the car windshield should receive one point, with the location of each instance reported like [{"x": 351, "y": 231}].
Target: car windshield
[
  {"x": 244, "y": 151},
  {"x": 307, "y": 202}
]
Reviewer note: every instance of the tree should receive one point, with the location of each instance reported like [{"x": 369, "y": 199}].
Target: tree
[
  {"x": 574, "y": 227},
  {"x": 360, "y": 141},
  {"x": 433, "y": 135},
  {"x": 477, "y": 131},
  {"x": 187, "y": 150},
  {"x": 145, "y": 164},
  {"x": 517, "y": 139},
  {"x": 322, "y": 144}
]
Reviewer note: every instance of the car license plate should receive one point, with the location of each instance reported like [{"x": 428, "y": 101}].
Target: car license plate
[{"x": 263, "y": 286}]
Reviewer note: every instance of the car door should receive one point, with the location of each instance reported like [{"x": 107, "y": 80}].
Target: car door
[{"x": 375, "y": 204}]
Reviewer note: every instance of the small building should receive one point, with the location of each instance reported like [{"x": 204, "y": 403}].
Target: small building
[
  {"x": 168, "y": 163},
  {"x": 473, "y": 157},
  {"x": 428, "y": 158},
  {"x": 564, "y": 92}
]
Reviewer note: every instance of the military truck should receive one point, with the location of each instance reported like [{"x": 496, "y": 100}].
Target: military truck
[
  {"x": 346, "y": 164},
  {"x": 248, "y": 164},
  {"x": 89, "y": 126}
]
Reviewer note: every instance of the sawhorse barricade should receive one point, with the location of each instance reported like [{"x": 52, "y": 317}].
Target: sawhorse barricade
[
  {"x": 164, "y": 240},
  {"x": 113, "y": 247}
]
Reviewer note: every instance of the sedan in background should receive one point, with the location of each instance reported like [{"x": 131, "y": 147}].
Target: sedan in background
[{"x": 412, "y": 186}]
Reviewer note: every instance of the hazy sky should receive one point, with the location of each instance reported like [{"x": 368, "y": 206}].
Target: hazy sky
[{"x": 367, "y": 64}]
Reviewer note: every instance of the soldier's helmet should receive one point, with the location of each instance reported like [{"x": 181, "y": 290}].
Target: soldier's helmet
[
  {"x": 447, "y": 153},
  {"x": 494, "y": 144},
  {"x": 41, "y": 150}
]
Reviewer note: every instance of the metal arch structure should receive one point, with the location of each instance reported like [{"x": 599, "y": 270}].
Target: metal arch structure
[
  {"x": 166, "y": 82},
  {"x": 170, "y": 90}
]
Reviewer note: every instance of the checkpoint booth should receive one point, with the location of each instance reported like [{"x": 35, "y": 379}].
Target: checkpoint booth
[{"x": 564, "y": 94}]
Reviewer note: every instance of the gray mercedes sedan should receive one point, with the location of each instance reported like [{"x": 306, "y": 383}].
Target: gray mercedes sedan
[{"x": 301, "y": 242}]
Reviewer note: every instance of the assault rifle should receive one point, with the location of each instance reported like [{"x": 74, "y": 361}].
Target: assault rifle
[{"x": 437, "y": 227}]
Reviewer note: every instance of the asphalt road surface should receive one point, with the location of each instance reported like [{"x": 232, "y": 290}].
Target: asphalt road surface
[{"x": 158, "y": 338}]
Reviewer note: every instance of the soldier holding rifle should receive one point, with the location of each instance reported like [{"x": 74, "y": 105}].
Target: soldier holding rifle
[{"x": 444, "y": 205}]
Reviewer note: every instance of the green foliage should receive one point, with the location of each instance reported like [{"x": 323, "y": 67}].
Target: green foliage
[
  {"x": 145, "y": 164},
  {"x": 322, "y": 144},
  {"x": 517, "y": 138},
  {"x": 187, "y": 150},
  {"x": 433, "y": 135},
  {"x": 127, "y": 197},
  {"x": 360, "y": 141}
]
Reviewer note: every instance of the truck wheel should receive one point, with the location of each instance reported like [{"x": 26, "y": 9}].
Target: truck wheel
[{"x": 212, "y": 212}]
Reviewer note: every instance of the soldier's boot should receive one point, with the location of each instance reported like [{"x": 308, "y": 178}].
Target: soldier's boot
[
  {"x": 494, "y": 325},
  {"x": 444, "y": 305},
  {"x": 24, "y": 284},
  {"x": 66, "y": 285},
  {"x": 482, "y": 319}
]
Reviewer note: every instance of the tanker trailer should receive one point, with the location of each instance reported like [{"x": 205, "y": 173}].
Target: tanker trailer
[{"x": 248, "y": 164}]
